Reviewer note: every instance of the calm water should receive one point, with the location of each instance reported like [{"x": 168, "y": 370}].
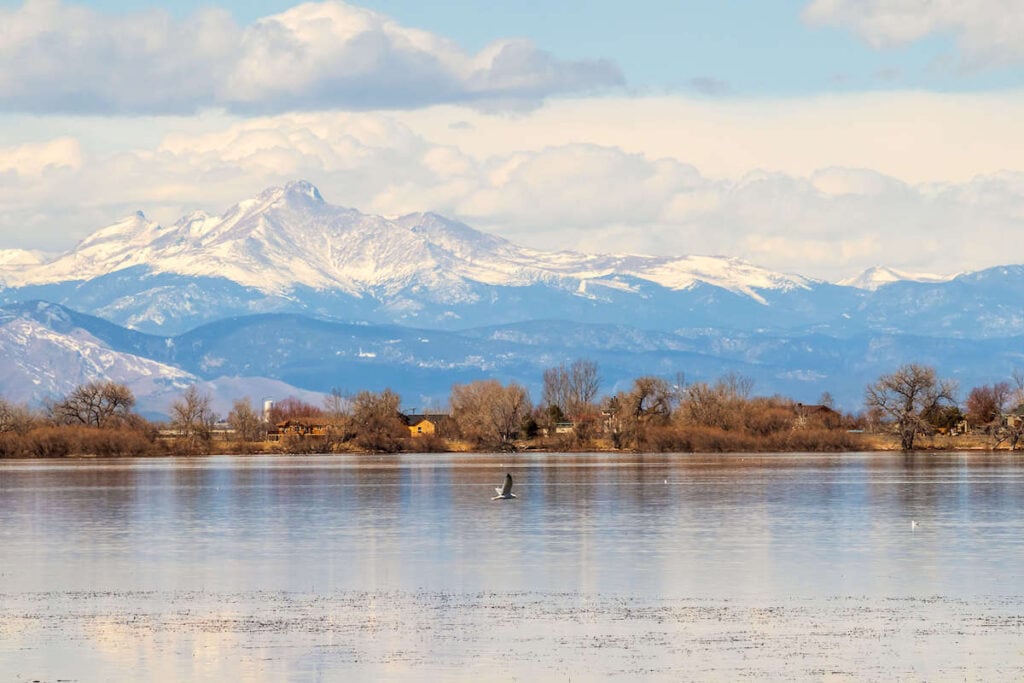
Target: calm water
[{"x": 640, "y": 566}]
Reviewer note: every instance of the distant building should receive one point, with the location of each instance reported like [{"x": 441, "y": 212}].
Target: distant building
[
  {"x": 426, "y": 425},
  {"x": 817, "y": 415}
]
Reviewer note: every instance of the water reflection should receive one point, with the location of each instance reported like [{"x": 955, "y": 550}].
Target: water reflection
[{"x": 124, "y": 540}]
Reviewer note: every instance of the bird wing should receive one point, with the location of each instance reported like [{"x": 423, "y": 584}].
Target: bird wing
[{"x": 507, "y": 488}]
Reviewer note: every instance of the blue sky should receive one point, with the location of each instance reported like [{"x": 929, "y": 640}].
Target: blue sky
[{"x": 815, "y": 136}]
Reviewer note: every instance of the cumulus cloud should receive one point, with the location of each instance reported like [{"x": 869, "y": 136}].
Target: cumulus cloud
[
  {"x": 58, "y": 57},
  {"x": 830, "y": 223},
  {"x": 988, "y": 32},
  {"x": 34, "y": 159}
]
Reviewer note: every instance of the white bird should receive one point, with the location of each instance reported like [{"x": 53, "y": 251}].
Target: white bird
[
  {"x": 913, "y": 524},
  {"x": 505, "y": 492}
]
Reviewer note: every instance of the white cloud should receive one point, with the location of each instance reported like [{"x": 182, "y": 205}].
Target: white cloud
[
  {"x": 921, "y": 182},
  {"x": 57, "y": 57},
  {"x": 845, "y": 181},
  {"x": 576, "y": 187},
  {"x": 828, "y": 223},
  {"x": 34, "y": 159},
  {"x": 914, "y": 136},
  {"x": 988, "y": 32}
]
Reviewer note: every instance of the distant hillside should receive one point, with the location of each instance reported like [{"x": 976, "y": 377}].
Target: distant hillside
[
  {"x": 286, "y": 293},
  {"x": 49, "y": 349}
]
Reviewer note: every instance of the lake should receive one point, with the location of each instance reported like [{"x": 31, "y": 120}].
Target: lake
[{"x": 655, "y": 567}]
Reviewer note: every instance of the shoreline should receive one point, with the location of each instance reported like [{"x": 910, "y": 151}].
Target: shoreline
[{"x": 875, "y": 446}]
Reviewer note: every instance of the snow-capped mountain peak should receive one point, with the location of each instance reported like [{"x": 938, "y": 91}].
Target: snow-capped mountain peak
[
  {"x": 297, "y": 192},
  {"x": 878, "y": 276},
  {"x": 289, "y": 237}
]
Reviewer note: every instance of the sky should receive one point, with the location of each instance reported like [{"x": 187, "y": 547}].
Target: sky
[{"x": 818, "y": 137}]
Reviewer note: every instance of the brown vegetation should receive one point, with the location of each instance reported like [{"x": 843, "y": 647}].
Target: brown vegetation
[
  {"x": 57, "y": 441},
  {"x": 909, "y": 408}
]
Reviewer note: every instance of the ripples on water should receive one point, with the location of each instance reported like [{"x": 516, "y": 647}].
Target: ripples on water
[{"x": 675, "y": 566}]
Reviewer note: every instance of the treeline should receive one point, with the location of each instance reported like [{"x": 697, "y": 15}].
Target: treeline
[
  {"x": 653, "y": 414},
  {"x": 722, "y": 416},
  {"x": 94, "y": 419}
]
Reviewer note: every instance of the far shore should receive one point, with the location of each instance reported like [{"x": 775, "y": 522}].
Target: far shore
[{"x": 860, "y": 443}]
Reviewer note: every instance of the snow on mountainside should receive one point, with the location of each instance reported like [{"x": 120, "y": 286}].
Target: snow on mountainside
[
  {"x": 877, "y": 276},
  {"x": 46, "y": 351},
  {"x": 493, "y": 260},
  {"x": 13, "y": 261},
  {"x": 19, "y": 257},
  {"x": 43, "y": 356},
  {"x": 282, "y": 238},
  {"x": 288, "y": 237}
]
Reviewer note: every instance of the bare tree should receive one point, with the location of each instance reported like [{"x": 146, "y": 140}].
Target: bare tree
[
  {"x": 648, "y": 403},
  {"x": 555, "y": 391},
  {"x": 376, "y": 421},
  {"x": 490, "y": 414},
  {"x": 337, "y": 404},
  {"x": 291, "y": 408},
  {"x": 245, "y": 421},
  {"x": 719, "y": 405},
  {"x": 907, "y": 396},
  {"x": 17, "y": 419},
  {"x": 1010, "y": 429},
  {"x": 96, "y": 404},
  {"x": 572, "y": 390},
  {"x": 584, "y": 383},
  {"x": 985, "y": 404},
  {"x": 193, "y": 419}
]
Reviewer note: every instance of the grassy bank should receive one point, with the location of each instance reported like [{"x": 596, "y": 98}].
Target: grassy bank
[{"x": 76, "y": 441}]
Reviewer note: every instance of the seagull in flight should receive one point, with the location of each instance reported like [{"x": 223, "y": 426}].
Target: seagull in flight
[{"x": 505, "y": 492}]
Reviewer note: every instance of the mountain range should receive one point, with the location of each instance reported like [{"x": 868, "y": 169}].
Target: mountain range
[{"x": 285, "y": 293}]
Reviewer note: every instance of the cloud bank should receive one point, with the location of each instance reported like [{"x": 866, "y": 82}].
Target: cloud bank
[
  {"x": 830, "y": 223},
  {"x": 987, "y": 32},
  {"x": 348, "y": 98},
  {"x": 64, "y": 58}
]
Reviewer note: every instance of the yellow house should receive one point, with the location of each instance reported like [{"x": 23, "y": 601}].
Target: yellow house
[
  {"x": 425, "y": 425},
  {"x": 422, "y": 428}
]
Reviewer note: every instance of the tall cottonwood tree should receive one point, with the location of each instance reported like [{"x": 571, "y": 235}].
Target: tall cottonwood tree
[
  {"x": 377, "y": 424},
  {"x": 292, "y": 408},
  {"x": 96, "y": 404},
  {"x": 907, "y": 397},
  {"x": 571, "y": 390},
  {"x": 648, "y": 403},
  {"x": 985, "y": 404},
  {"x": 719, "y": 405},
  {"x": 192, "y": 417},
  {"x": 14, "y": 418},
  {"x": 245, "y": 421},
  {"x": 489, "y": 413}
]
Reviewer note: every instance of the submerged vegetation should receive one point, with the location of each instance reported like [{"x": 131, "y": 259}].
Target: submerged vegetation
[{"x": 652, "y": 414}]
